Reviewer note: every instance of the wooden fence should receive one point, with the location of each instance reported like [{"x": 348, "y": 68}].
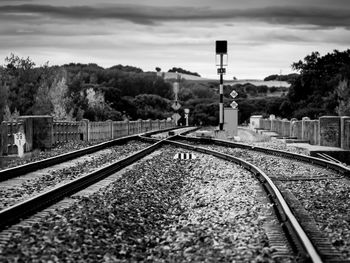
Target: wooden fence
[{"x": 63, "y": 131}]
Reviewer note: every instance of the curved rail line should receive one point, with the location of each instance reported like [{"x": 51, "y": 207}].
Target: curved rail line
[
  {"x": 298, "y": 236},
  {"x": 293, "y": 227},
  {"x": 14, "y": 213},
  {"x": 300, "y": 157}
]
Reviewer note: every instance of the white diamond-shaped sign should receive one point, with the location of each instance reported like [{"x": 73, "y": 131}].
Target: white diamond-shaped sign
[
  {"x": 176, "y": 106},
  {"x": 234, "y": 104},
  {"x": 176, "y": 117},
  {"x": 233, "y": 94}
]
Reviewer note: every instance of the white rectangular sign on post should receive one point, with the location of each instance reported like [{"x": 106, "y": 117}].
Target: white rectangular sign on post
[{"x": 19, "y": 140}]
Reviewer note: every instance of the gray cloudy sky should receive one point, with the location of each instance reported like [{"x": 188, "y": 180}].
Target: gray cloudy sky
[{"x": 264, "y": 36}]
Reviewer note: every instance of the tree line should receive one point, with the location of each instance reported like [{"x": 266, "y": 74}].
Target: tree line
[{"x": 75, "y": 91}]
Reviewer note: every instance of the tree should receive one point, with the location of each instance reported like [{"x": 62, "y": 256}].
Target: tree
[
  {"x": 150, "y": 106},
  {"x": 315, "y": 88},
  {"x": 59, "y": 97},
  {"x": 343, "y": 92},
  {"x": 3, "y": 92},
  {"x": 180, "y": 70}
]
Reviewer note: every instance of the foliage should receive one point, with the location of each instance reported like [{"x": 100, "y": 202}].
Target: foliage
[
  {"x": 180, "y": 70},
  {"x": 261, "y": 106},
  {"x": 3, "y": 97},
  {"x": 343, "y": 92},
  {"x": 247, "y": 90},
  {"x": 75, "y": 91},
  {"x": 22, "y": 81},
  {"x": 150, "y": 106},
  {"x": 315, "y": 87},
  {"x": 59, "y": 99},
  {"x": 289, "y": 78},
  {"x": 127, "y": 68}
]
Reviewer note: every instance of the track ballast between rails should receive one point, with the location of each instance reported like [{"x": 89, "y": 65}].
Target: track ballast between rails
[{"x": 300, "y": 239}]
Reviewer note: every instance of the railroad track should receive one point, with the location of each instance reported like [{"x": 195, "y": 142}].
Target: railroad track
[
  {"x": 300, "y": 239},
  {"x": 290, "y": 171},
  {"x": 33, "y": 179}
]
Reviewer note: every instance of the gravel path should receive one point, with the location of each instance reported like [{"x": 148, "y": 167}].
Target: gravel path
[
  {"x": 18, "y": 189},
  {"x": 161, "y": 210}
]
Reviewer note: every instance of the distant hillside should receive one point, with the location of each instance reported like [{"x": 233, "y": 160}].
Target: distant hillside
[
  {"x": 173, "y": 75},
  {"x": 257, "y": 82}
]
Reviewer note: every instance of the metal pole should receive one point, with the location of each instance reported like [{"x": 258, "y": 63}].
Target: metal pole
[{"x": 221, "y": 104}]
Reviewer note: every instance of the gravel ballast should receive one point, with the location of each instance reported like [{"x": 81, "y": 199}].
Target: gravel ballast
[
  {"x": 162, "y": 210},
  {"x": 323, "y": 193},
  {"x": 38, "y": 155},
  {"x": 18, "y": 189}
]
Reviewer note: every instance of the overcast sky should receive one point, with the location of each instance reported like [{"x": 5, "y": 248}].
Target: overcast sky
[{"x": 264, "y": 36}]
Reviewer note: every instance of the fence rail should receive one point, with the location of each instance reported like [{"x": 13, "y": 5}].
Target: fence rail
[{"x": 64, "y": 131}]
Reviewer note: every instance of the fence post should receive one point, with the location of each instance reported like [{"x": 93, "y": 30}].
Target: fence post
[
  {"x": 344, "y": 143},
  {"x": 1, "y": 144},
  {"x": 4, "y": 135},
  {"x": 329, "y": 131},
  {"x": 128, "y": 126},
  {"x": 84, "y": 129},
  {"x": 304, "y": 128},
  {"x": 110, "y": 128}
]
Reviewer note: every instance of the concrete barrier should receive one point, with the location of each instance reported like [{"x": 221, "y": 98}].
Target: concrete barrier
[
  {"x": 330, "y": 131},
  {"x": 304, "y": 129},
  {"x": 274, "y": 124},
  {"x": 345, "y": 132},
  {"x": 255, "y": 121},
  {"x": 285, "y": 128},
  {"x": 346, "y": 138},
  {"x": 41, "y": 132},
  {"x": 310, "y": 131},
  {"x": 266, "y": 124},
  {"x": 296, "y": 129}
]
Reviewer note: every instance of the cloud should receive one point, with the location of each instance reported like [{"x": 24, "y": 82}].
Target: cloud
[{"x": 149, "y": 15}]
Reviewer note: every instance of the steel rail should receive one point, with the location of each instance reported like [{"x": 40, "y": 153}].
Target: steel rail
[
  {"x": 300, "y": 157},
  {"x": 150, "y": 133},
  {"x": 26, "y": 208},
  {"x": 14, "y": 213},
  {"x": 33, "y": 166},
  {"x": 294, "y": 228}
]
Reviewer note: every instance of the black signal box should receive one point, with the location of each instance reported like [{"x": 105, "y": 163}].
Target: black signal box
[{"x": 221, "y": 47}]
